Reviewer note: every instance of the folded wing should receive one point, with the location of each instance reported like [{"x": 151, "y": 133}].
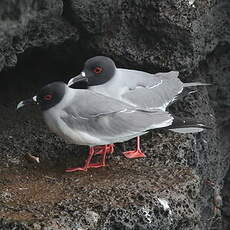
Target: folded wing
[
  {"x": 110, "y": 119},
  {"x": 151, "y": 91}
]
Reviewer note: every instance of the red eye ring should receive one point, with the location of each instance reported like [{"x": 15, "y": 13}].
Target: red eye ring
[
  {"x": 48, "y": 97},
  {"x": 98, "y": 70}
]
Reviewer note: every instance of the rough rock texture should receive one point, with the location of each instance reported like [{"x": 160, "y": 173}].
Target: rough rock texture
[
  {"x": 50, "y": 40},
  {"x": 31, "y": 23}
]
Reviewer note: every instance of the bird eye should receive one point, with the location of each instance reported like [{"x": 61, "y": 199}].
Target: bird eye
[
  {"x": 48, "y": 97},
  {"x": 98, "y": 70}
]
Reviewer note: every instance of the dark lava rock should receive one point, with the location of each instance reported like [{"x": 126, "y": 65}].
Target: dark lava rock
[
  {"x": 175, "y": 186},
  {"x": 28, "y": 23}
]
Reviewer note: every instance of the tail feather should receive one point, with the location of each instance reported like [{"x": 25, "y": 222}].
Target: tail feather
[
  {"x": 191, "y": 84},
  {"x": 187, "y": 126}
]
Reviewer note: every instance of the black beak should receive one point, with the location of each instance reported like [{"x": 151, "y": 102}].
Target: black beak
[
  {"x": 30, "y": 101},
  {"x": 79, "y": 82}
]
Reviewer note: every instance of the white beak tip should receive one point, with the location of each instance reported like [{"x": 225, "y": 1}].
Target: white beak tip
[
  {"x": 20, "y": 105},
  {"x": 70, "y": 82},
  {"x": 35, "y": 98}
]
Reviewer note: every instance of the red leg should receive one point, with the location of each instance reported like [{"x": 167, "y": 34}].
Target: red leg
[
  {"x": 100, "y": 149},
  {"x": 86, "y": 166},
  {"x": 135, "y": 153},
  {"x": 102, "y": 163},
  {"x": 111, "y": 148}
]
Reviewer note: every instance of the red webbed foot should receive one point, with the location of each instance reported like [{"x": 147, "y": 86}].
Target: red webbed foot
[
  {"x": 101, "y": 150},
  {"x": 76, "y": 169},
  {"x": 134, "y": 154},
  {"x": 96, "y": 165}
]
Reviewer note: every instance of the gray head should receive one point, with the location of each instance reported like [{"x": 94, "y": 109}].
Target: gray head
[
  {"x": 47, "y": 97},
  {"x": 97, "y": 71}
]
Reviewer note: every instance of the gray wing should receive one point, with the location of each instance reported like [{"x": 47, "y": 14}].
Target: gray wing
[
  {"x": 152, "y": 90},
  {"x": 89, "y": 104},
  {"x": 110, "y": 119}
]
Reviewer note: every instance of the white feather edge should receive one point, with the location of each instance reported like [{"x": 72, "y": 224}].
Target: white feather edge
[
  {"x": 191, "y": 84},
  {"x": 187, "y": 130}
]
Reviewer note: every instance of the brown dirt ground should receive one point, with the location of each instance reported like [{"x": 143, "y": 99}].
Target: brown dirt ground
[{"x": 35, "y": 191}]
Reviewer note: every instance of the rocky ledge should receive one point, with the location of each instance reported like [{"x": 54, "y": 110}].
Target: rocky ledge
[{"x": 181, "y": 182}]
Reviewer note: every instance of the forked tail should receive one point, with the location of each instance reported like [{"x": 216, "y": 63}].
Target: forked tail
[{"x": 180, "y": 125}]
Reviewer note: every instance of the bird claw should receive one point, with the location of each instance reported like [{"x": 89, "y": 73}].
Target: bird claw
[
  {"x": 96, "y": 165},
  {"x": 76, "y": 169}
]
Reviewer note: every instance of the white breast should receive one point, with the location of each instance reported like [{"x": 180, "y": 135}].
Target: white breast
[{"x": 53, "y": 119}]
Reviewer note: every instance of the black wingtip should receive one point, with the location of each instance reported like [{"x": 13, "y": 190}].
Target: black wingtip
[{"x": 181, "y": 125}]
